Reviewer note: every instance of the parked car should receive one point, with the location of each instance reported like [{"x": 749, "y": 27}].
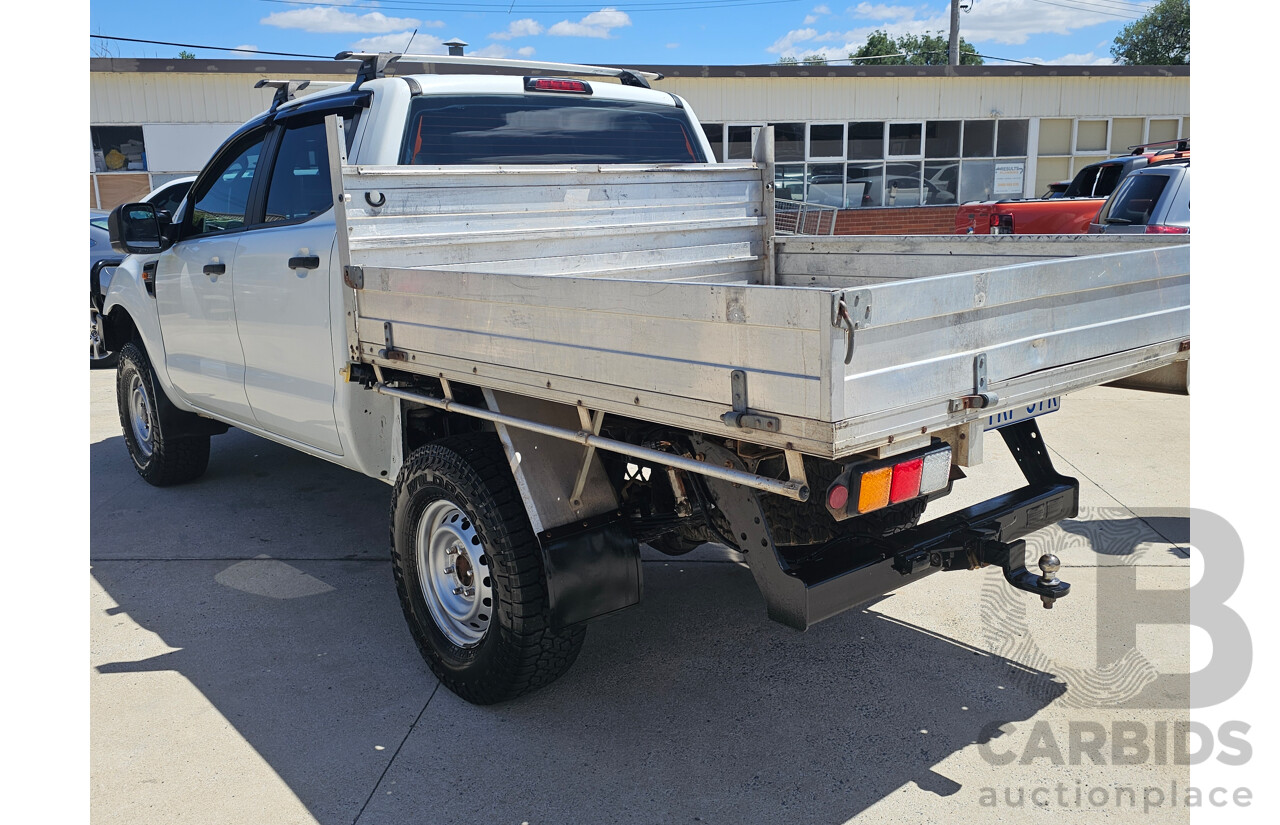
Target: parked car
[
  {"x": 103, "y": 261},
  {"x": 1072, "y": 212},
  {"x": 1153, "y": 201}
]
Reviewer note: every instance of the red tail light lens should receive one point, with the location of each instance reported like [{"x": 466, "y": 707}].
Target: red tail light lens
[
  {"x": 906, "y": 480},
  {"x": 837, "y": 497},
  {"x": 1001, "y": 224},
  {"x": 1161, "y": 229}
]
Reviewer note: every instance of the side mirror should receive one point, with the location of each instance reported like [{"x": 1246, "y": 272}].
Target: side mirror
[{"x": 138, "y": 229}]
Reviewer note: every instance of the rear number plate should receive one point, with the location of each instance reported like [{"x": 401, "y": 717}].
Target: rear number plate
[{"x": 1012, "y": 416}]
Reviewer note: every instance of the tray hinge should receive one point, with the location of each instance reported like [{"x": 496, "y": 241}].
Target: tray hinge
[
  {"x": 741, "y": 416},
  {"x": 390, "y": 352},
  {"x": 353, "y": 276},
  {"x": 982, "y": 397}
]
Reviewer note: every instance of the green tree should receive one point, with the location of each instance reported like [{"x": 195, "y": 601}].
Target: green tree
[
  {"x": 928, "y": 49},
  {"x": 787, "y": 61},
  {"x": 1161, "y": 37},
  {"x": 186, "y": 55},
  {"x": 814, "y": 60}
]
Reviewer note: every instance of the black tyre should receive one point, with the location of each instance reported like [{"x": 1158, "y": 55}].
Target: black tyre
[
  {"x": 160, "y": 457},
  {"x": 469, "y": 573}
]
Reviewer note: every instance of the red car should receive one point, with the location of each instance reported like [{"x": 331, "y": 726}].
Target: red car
[{"x": 1075, "y": 209}]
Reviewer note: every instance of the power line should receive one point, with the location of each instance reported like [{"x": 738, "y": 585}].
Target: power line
[
  {"x": 1095, "y": 9},
  {"x": 197, "y": 46}
]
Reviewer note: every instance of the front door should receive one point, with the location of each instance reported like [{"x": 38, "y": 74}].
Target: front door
[{"x": 195, "y": 286}]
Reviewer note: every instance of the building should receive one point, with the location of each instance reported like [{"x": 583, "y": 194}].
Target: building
[{"x": 891, "y": 146}]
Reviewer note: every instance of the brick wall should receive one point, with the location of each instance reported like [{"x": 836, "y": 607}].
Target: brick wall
[{"x": 920, "y": 220}]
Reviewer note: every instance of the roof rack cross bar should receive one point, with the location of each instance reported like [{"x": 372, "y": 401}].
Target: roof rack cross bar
[
  {"x": 374, "y": 65},
  {"x": 286, "y": 90},
  {"x": 1175, "y": 144}
]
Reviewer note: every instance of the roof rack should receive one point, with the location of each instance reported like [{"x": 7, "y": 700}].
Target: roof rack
[
  {"x": 375, "y": 65},
  {"x": 1176, "y": 145},
  {"x": 287, "y": 90}
]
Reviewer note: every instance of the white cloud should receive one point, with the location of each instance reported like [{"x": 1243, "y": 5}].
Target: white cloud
[
  {"x": 327, "y": 20},
  {"x": 1003, "y": 22},
  {"x": 396, "y": 42},
  {"x": 527, "y": 27},
  {"x": 673, "y": 45},
  {"x": 1086, "y": 59},
  {"x": 597, "y": 24},
  {"x": 526, "y": 51},
  {"x": 812, "y": 16},
  {"x": 492, "y": 50},
  {"x": 247, "y": 47},
  {"x": 881, "y": 11},
  {"x": 785, "y": 45}
]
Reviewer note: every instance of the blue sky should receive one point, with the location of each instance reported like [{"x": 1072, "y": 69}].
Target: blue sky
[{"x": 640, "y": 32}]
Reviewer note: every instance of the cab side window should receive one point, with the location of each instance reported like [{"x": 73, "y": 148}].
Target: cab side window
[
  {"x": 220, "y": 203},
  {"x": 299, "y": 186}
]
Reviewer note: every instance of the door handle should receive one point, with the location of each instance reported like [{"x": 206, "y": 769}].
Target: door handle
[
  {"x": 304, "y": 262},
  {"x": 215, "y": 269}
]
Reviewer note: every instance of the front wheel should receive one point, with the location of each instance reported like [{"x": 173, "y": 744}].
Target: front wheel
[
  {"x": 469, "y": 573},
  {"x": 161, "y": 458}
]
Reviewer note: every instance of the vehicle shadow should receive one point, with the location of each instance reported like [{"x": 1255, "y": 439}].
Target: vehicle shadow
[{"x": 269, "y": 581}]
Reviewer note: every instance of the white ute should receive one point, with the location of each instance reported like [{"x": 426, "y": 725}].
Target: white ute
[{"x": 532, "y": 302}]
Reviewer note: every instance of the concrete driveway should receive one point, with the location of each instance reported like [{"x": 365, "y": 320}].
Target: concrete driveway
[{"x": 249, "y": 664}]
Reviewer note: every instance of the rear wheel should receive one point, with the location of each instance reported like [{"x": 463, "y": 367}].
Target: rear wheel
[
  {"x": 160, "y": 457},
  {"x": 469, "y": 573}
]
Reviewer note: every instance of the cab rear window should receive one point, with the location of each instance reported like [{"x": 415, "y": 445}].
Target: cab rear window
[{"x": 447, "y": 130}]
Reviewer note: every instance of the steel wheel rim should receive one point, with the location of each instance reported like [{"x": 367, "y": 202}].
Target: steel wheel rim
[
  {"x": 454, "y": 573},
  {"x": 140, "y": 415},
  {"x": 97, "y": 347}
]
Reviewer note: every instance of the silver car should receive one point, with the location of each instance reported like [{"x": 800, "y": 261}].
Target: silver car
[{"x": 1152, "y": 201}]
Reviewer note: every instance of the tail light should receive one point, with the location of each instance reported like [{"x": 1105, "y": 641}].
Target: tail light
[
  {"x": 864, "y": 488},
  {"x": 1162, "y": 229},
  {"x": 1001, "y": 224}
]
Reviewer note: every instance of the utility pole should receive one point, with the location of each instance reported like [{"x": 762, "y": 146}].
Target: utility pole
[{"x": 953, "y": 47}]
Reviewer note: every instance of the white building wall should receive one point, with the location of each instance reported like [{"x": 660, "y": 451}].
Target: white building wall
[
  {"x": 775, "y": 99},
  {"x": 183, "y": 147}
]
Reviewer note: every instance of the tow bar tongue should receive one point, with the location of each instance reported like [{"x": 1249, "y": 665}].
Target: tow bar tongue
[{"x": 1012, "y": 559}]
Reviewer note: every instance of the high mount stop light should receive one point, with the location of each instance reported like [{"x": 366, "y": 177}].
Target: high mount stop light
[
  {"x": 555, "y": 84},
  {"x": 868, "y": 487}
]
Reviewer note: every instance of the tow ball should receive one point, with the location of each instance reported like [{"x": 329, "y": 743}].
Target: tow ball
[{"x": 1012, "y": 559}]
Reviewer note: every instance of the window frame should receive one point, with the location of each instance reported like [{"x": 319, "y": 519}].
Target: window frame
[
  {"x": 1105, "y": 151},
  {"x": 258, "y": 207},
  {"x": 888, "y": 130},
  {"x": 809, "y": 154},
  {"x": 229, "y": 151}
]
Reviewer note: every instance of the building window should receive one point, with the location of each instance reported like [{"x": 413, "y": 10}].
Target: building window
[
  {"x": 715, "y": 136},
  {"x": 826, "y": 140},
  {"x": 740, "y": 141},
  {"x": 866, "y": 141},
  {"x": 979, "y": 138},
  {"x": 915, "y": 163},
  {"x": 788, "y": 142},
  {"x": 118, "y": 149},
  {"x": 906, "y": 140}
]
